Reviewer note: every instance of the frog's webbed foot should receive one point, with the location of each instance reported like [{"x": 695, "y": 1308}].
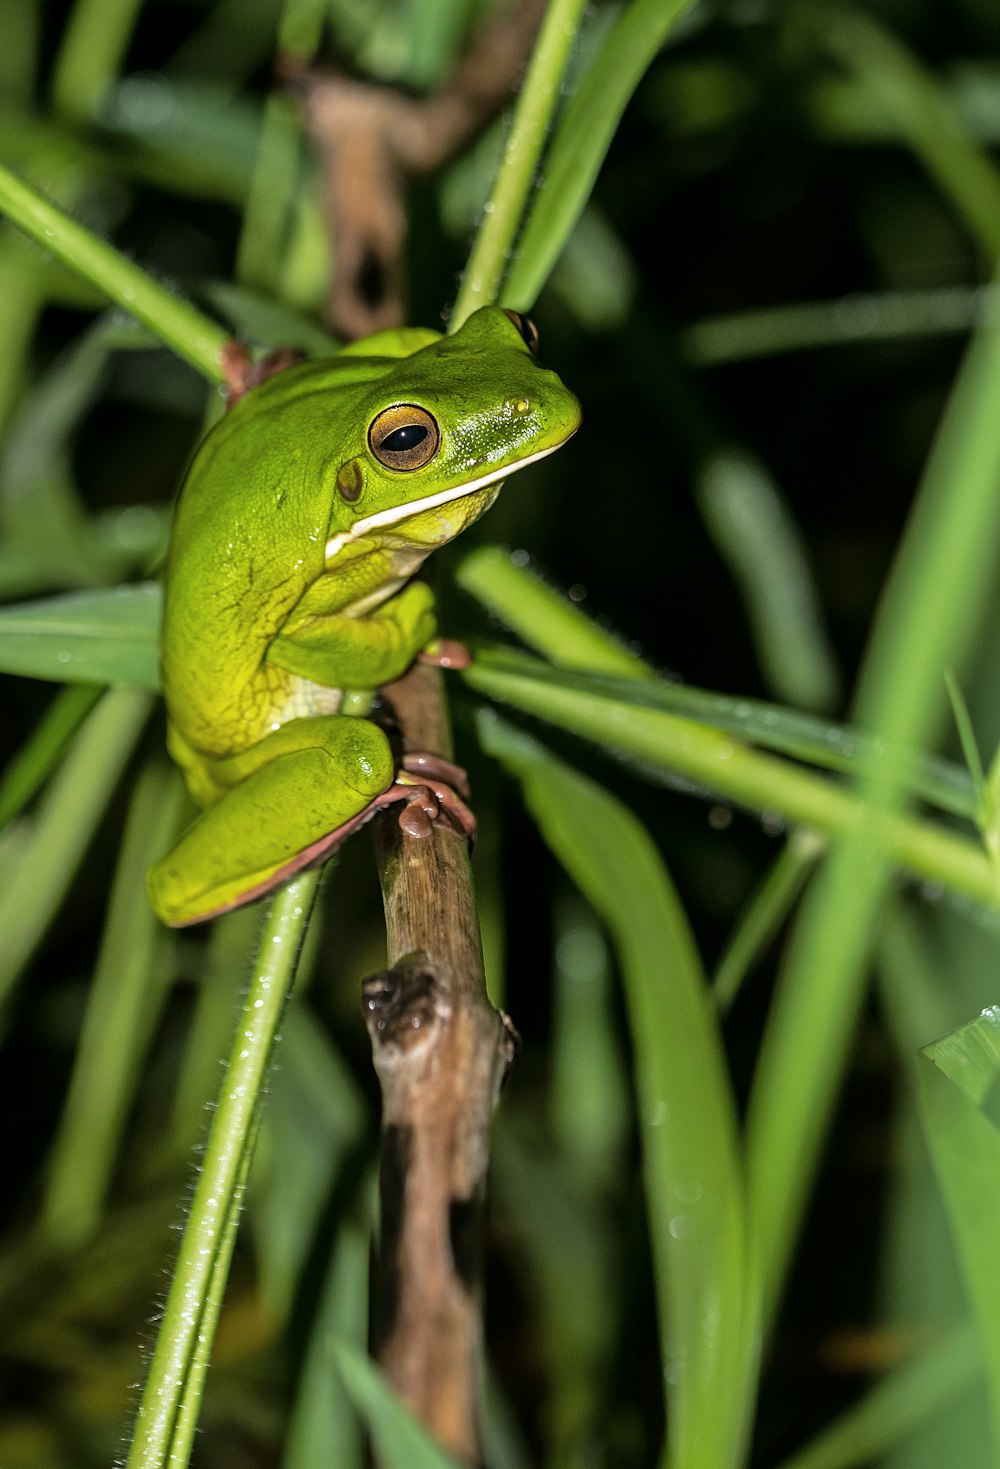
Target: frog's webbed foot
[
  {"x": 431, "y": 789},
  {"x": 445, "y": 653}
]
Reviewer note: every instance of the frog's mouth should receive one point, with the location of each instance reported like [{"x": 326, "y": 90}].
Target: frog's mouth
[{"x": 396, "y": 513}]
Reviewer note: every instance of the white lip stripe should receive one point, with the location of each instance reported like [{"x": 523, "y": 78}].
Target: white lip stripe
[{"x": 396, "y": 513}]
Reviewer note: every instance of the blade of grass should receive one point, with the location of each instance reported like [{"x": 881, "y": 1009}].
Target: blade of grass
[
  {"x": 898, "y": 86},
  {"x": 937, "y": 589},
  {"x": 959, "y": 1082},
  {"x": 522, "y": 149},
  {"x": 35, "y": 761},
  {"x": 110, "y": 635},
  {"x": 400, "y": 1441},
  {"x": 323, "y": 1428},
  {"x": 753, "y": 529},
  {"x": 767, "y": 910},
  {"x": 172, "y": 320},
  {"x": 165, "y": 1424},
  {"x": 582, "y": 141},
  {"x": 122, "y": 1009},
  {"x": 66, "y": 821},
  {"x": 875, "y": 317},
  {"x": 94, "y": 45},
  {"x": 694, "y": 1185},
  {"x": 542, "y": 618},
  {"x": 720, "y": 764},
  {"x": 548, "y": 621}
]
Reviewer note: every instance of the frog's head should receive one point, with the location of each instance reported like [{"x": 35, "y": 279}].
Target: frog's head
[{"x": 442, "y": 429}]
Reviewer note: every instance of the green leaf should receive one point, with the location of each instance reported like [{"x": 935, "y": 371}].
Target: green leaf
[
  {"x": 47, "y": 856},
  {"x": 687, "y": 751},
  {"x": 582, "y": 139},
  {"x": 751, "y": 524},
  {"x": 694, "y": 1186},
  {"x": 806, "y": 737},
  {"x": 400, "y": 1441},
  {"x": 35, "y": 761},
  {"x": 959, "y": 1090},
  {"x": 107, "y": 636}
]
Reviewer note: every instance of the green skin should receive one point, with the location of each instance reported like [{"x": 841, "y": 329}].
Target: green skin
[{"x": 288, "y": 581}]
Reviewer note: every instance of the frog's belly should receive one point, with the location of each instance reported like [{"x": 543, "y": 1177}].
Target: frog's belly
[{"x": 304, "y": 698}]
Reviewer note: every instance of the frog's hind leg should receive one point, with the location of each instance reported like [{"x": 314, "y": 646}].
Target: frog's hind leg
[{"x": 286, "y": 814}]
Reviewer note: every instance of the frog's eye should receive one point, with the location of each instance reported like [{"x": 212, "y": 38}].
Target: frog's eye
[
  {"x": 404, "y": 437},
  {"x": 527, "y": 328}
]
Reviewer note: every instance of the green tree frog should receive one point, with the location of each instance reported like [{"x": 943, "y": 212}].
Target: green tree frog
[{"x": 303, "y": 518}]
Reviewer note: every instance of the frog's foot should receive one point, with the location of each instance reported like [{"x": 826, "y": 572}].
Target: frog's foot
[
  {"x": 436, "y": 768},
  {"x": 435, "y": 789},
  {"x": 445, "y": 653},
  {"x": 241, "y": 372},
  {"x": 270, "y": 826}
]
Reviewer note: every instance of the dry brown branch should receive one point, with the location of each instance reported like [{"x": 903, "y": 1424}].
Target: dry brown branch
[
  {"x": 441, "y": 1052},
  {"x": 371, "y": 138}
]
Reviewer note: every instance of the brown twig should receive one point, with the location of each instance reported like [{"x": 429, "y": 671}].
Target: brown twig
[
  {"x": 441, "y": 1052},
  {"x": 372, "y": 138}
]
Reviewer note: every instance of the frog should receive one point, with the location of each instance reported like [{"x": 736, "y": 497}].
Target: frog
[{"x": 290, "y": 588}]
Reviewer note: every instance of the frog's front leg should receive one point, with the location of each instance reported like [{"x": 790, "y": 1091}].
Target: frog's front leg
[
  {"x": 290, "y": 798},
  {"x": 342, "y": 650}
]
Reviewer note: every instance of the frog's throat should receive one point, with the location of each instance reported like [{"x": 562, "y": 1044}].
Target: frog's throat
[{"x": 395, "y": 513}]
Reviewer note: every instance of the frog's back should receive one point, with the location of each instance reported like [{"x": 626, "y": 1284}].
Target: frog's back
[{"x": 248, "y": 539}]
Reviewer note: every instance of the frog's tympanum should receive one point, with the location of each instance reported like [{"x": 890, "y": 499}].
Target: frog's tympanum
[{"x": 305, "y": 514}]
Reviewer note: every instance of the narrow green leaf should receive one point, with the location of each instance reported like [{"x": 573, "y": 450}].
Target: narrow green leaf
[
  {"x": 763, "y": 916},
  {"x": 549, "y": 622},
  {"x": 33, "y": 764},
  {"x": 65, "y": 822},
  {"x": 168, "y": 1410},
  {"x": 754, "y": 531},
  {"x": 694, "y": 1184},
  {"x": 939, "y": 590},
  {"x": 503, "y": 215},
  {"x": 681, "y": 748},
  {"x": 906, "y": 93},
  {"x": 315, "y": 1115},
  {"x": 879, "y": 316},
  {"x": 106, "y": 636},
  {"x": 122, "y": 1009},
  {"x": 959, "y": 1088},
  {"x": 324, "y": 1428},
  {"x": 582, "y": 140},
  {"x": 400, "y": 1441},
  {"x": 542, "y": 617},
  {"x": 172, "y": 320}
]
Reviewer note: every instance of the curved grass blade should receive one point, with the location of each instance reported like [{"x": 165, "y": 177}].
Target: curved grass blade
[
  {"x": 400, "y": 1441},
  {"x": 546, "y": 620},
  {"x": 582, "y": 140},
  {"x": 959, "y": 1091},
  {"x": 694, "y": 1185},
  {"x": 805, "y": 737},
  {"x": 122, "y": 1009},
  {"x": 753, "y": 528},
  {"x": 716, "y": 762},
  {"x": 324, "y": 1428},
  {"x": 35, "y": 761},
  {"x": 938, "y": 592},
  {"x": 543, "y": 618},
  {"x": 65, "y": 822},
  {"x": 766, "y": 911},
  {"x": 107, "y": 636},
  {"x": 167, "y": 1413}
]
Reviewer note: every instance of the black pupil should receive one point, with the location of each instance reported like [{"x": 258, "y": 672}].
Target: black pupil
[{"x": 401, "y": 440}]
